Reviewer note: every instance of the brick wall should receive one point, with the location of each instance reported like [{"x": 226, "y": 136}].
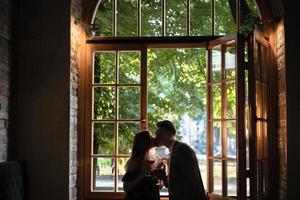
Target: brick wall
[
  {"x": 76, "y": 9},
  {"x": 282, "y": 123},
  {"x": 6, "y": 19}
]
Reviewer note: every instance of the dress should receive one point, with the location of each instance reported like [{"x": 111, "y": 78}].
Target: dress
[{"x": 146, "y": 189}]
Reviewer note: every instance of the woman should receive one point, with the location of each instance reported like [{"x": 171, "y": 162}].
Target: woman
[{"x": 137, "y": 184}]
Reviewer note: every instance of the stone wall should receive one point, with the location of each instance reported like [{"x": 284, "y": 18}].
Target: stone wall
[
  {"x": 6, "y": 39},
  {"x": 76, "y": 9},
  {"x": 282, "y": 121}
]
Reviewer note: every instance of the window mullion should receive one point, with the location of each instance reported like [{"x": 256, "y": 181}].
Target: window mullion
[
  {"x": 163, "y": 10},
  {"x": 188, "y": 18}
]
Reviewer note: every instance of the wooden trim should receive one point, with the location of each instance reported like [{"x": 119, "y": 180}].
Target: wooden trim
[
  {"x": 170, "y": 40},
  {"x": 144, "y": 89},
  {"x": 240, "y": 117}
]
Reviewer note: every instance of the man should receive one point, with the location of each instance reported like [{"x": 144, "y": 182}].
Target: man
[{"x": 184, "y": 179}]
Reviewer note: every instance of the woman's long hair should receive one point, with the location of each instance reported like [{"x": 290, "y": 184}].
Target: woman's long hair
[{"x": 142, "y": 143}]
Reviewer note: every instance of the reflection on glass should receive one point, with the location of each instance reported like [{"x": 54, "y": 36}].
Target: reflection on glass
[
  {"x": 129, "y": 103},
  {"x": 265, "y": 101},
  {"x": 129, "y": 67},
  {"x": 265, "y": 139},
  {"x": 127, "y": 18},
  {"x": 225, "y": 23},
  {"x": 200, "y": 12},
  {"x": 121, "y": 172},
  {"x": 264, "y": 63},
  {"x": 259, "y": 139},
  {"x": 217, "y": 177},
  {"x": 259, "y": 99},
  {"x": 230, "y": 63},
  {"x": 231, "y": 139},
  {"x": 217, "y": 139},
  {"x": 151, "y": 19},
  {"x": 103, "y": 174},
  {"x": 230, "y": 100},
  {"x": 216, "y": 101},
  {"x": 232, "y": 180},
  {"x": 104, "y": 102},
  {"x": 257, "y": 60},
  {"x": 103, "y": 138},
  {"x": 104, "y": 67},
  {"x": 103, "y": 18},
  {"x": 216, "y": 64},
  {"x": 127, "y": 132},
  {"x": 176, "y": 18}
]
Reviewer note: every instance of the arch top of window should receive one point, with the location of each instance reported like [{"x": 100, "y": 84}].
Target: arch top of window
[{"x": 159, "y": 18}]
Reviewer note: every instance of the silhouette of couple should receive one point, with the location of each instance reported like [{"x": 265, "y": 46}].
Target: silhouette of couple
[{"x": 147, "y": 174}]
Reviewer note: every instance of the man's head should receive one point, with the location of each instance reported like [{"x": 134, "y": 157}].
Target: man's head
[{"x": 165, "y": 132}]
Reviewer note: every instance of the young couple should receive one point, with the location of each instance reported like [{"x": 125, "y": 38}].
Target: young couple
[{"x": 143, "y": 181}]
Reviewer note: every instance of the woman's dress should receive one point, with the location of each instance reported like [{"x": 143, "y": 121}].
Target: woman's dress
[{"x": 146, "y": 189}]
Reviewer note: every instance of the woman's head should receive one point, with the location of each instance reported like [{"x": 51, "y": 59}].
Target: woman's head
[{"x": 142, "y": 143}]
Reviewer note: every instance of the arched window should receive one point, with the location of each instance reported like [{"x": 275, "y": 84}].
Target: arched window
[{"x": 181, "y": 60}]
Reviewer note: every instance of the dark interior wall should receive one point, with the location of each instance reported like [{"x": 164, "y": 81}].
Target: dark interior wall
[
  {"x": 292, "y": 33},
  {"x": 43, "y": 101}
]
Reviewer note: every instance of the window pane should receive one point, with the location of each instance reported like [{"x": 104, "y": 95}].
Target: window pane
[
  {"x": 216, "y": 101},
  {"x": 151, "y": 18},
  {"x": 231, "y": 100},
  {"x": 104, "y": 142},
  {"x": 231, "y": 175},
  {"x": 217, "y": 176},
  {"x": 127, "y": 132},
  {"x": 104, "y": 102},
  {"x": 216, "y": 64},
  {"x": 265, "y": 101},
  {"x": 129, "y": 103},
  {"x": 225, "y": 23},
  {"x": 259, "y": 100},
  {"x": 121, "y": 172},
  {"x": 231, "y": 139},
  {"x": 230, "y": 63},
  {"x": 103, "y": 174},
  {"x": 200, "y": 14},
  {"x": 104, "y": 67},
  {"x": 103, "y": 18},
  {"x": 259, "y": 136},
  {"x": 129, "y": 67},
  {"x": 127, "y": 18},
  {"x": 176, "y": 18},
  {"x": 217, "y": 139}
]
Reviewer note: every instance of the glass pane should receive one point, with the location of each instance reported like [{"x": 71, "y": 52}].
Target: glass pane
[
  {"x": 104, "y": 67},
  {"x": 216, "y": 64},
  {"x": 151, "y": 18},
  {"x": 129, "y": 67},
  {"x": 104, "y": 142},
  {"x": 230, "y": 63},
  {"x": 257, "y": 60},
  {"x": 217, "y": 139},
  {"x": 176, "y": 18},
  {"x": 259, "y": 138},
  {"x": 231, "y": 174},
  {"x": 231, "y": 100},
  {"x": 216, "y": 98},
  {"x": 259, "y": 100},
  {"x": 265, "y": 101},
  {"x": 127, "y": 132},
  {"x": 265, "y": 139},
  {"x": 104, "y": 18},
  {"x": 225, "y": 23},
  {"x": 104, "y": 102},
  {"x": 217, "y": 177},
  {"x": 200, "y": 14},
  {"x": 231, "y": 139},
  {"x": 129, "y": 103},
  {"x": 264, "y": 63},
  {"x": 103, "y": 173},
  {"x": 127, "y": 18},
  {"x": 121, "y": 172}
]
